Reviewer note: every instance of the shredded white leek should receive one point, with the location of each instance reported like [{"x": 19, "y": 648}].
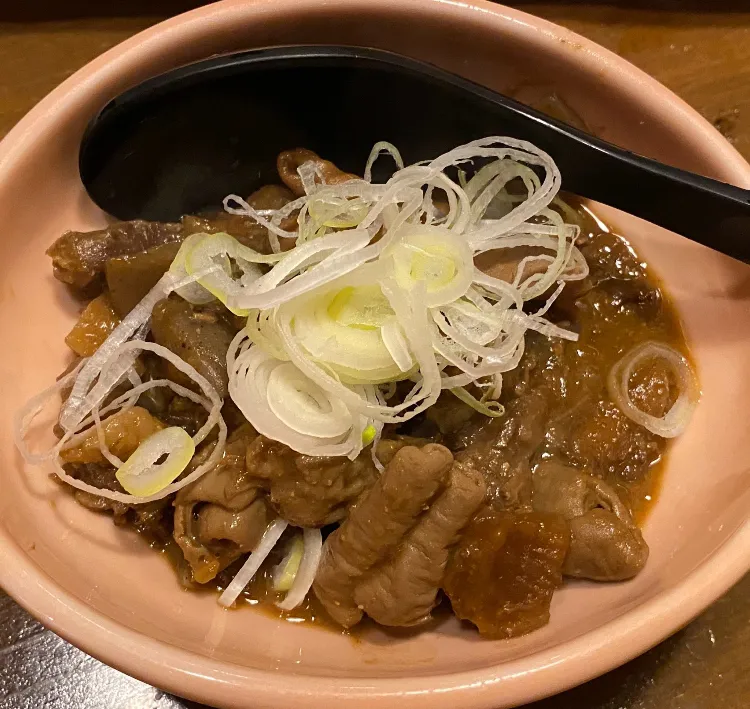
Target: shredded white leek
[
  {"x": 344, "y": 312},
  {"x": 380, "y": 287},
  {"x": 254, "y": 561}
]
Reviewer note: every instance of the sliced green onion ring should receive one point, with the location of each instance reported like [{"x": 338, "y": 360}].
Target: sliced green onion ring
[
  {"x": 285, "y": 572},
  {"x": 141, "y": 475},
  {"x": 676, "y": 420}
]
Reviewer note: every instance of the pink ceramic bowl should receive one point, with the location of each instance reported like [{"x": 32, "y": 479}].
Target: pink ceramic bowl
[{"x": 103, "y": 590}]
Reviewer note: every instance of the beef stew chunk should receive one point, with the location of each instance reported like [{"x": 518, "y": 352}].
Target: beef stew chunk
[
  {"x": 506, "y": 567},
  {"x": 605, "y": 543},
  {"x": 375, "y": 528},
  {"x": 305, "y": 490},
  {"x": 403, "y": 590},
  {"x": 199, "y": 335}
]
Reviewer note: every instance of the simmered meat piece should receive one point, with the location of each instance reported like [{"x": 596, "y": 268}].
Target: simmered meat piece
[
  {"x": 223, "y": 514},
  {"x": 132, "y": 276},
  {"x": 605, "y": 441},
  {"x": 449, "y": 415},
  {"x": 230, "y": 484},
  {"x": 605, "y": 547},
  {"x": 503, "y": 264},
  {"x": 243, "y": 528},
  {"x": 309, "y": 491},
  {"x": 276, "y": 197},
  {"x": 402, "y": 591},
  {"x": 605, "y": 544},
  {"x": 376, "y": 526},
  {"x": 151, "y": 519},
  {"x": 102, "y": 476},
  {"x": 288, "y": 162},
  {"x": 546, "y": 364},
  {"x": 181, "y": 411},
  {"x": 123, "y": 433},
  {"x": 94, "y": 325},
  {"x": 213, "y": 537},
  {"x": 566, "y": 491},
  {"x": 270, "y": 197},
  {"x": 246, "y": 230},
  {"x": 501, "y": 449},
  {"x": 197, "y": 334},
  {"x": 78, "y": 258},
  {"x": 506, "y": 567}
]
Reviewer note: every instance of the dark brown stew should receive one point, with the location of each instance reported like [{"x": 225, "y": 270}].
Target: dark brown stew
[{"x": 490, "y": 513}]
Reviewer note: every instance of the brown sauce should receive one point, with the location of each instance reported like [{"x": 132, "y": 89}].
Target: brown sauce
[
  {"x": 561, "y": 445},
  {"x": 620, "y": 332},
  {"x": 258, "y": 594},
  {"x": 607, "y": 331}
]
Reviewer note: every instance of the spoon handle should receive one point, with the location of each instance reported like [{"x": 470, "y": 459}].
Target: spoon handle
[{"x": 704, "y": 210}]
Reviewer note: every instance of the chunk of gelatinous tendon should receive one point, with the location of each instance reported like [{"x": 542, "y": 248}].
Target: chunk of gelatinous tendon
[{"x": 505, "y": 569}]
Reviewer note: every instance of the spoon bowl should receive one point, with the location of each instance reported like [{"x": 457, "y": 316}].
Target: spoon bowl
[{"x": 179, "y": 142}]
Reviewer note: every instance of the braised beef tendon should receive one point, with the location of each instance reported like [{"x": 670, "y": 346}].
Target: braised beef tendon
[
  {"x": 461, "y": 431},
  {"x": 375, "y": 528},
  {"x": 506, "y": 567}
]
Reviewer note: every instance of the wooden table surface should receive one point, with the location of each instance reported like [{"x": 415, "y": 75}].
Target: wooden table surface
[{"x": 698, "y": 48}]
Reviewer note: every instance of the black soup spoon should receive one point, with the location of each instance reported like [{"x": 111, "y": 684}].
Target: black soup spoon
[{"x": 180, "y": 142}]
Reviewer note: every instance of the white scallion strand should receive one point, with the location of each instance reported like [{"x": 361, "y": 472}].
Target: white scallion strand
[
  {"x": 443, "y": 311},
  {"x": 266, "y": 544}
]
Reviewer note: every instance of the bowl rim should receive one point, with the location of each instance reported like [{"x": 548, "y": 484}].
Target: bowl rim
[{"x": 219, "y": 682}]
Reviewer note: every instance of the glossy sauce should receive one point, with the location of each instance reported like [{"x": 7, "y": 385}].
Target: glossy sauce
[
  {"x": 611, "y": 339},
  {"x": 606, "y": 331}
]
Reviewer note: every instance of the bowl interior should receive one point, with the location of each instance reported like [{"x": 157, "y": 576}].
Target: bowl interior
[{"x": 706, "y": 494}]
